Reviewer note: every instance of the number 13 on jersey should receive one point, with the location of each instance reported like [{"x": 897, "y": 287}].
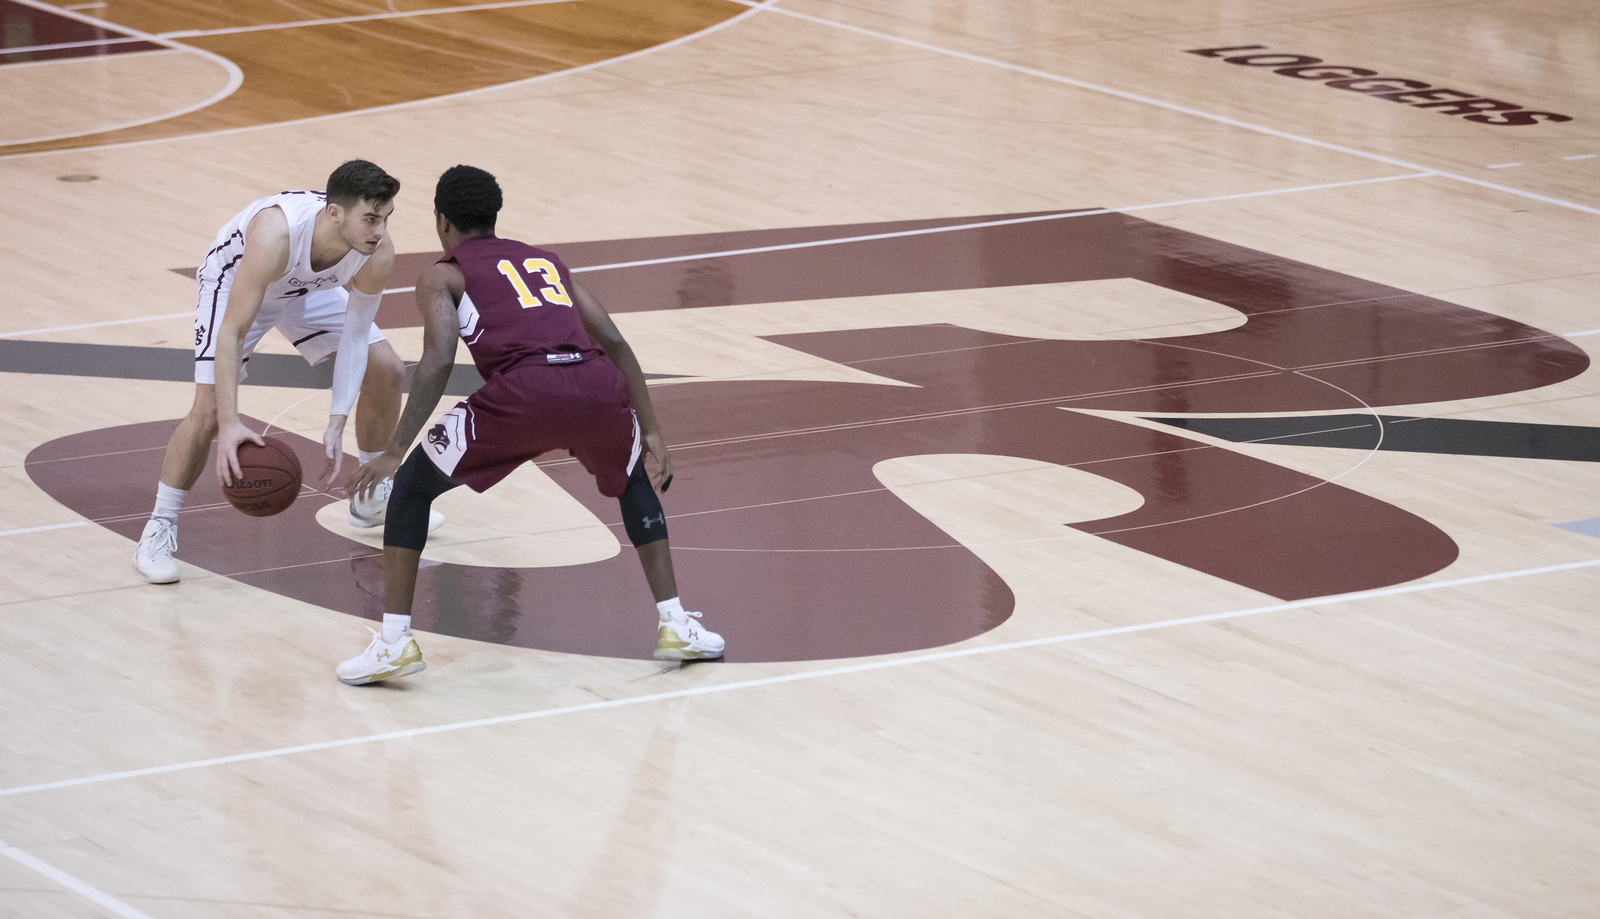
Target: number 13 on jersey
[{"x": 554, "y": 294}]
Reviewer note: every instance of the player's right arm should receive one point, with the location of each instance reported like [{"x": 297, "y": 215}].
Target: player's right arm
[
  {"x": 600, "y": 326},
  {"x": 266, "y": 256},
  {"x": 439, "y": 290}
]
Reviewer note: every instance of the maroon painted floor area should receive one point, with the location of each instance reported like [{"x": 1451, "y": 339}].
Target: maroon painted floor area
[
  {"x": 786, "y": 538},
  {"x": 25, "y": 27}
]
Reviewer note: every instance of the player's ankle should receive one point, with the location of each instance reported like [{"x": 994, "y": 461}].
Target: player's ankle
[{"x": 395, "y": 626}]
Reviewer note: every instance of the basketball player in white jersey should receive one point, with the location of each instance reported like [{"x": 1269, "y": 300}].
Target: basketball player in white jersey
[{"x": 313, "y": 266}]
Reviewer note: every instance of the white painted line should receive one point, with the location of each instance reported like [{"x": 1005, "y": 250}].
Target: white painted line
[
  {"x": 1169, "y": 106},
  {"x": 53, "y": 526},
  {"x": 841, "y": 240},
  {"x": 845, "y": 239},
  {"x": 71, "y": 883},
  {"x": 69, "y": 61},
  {"x": 1502, "y": 165},
  {"x": 67, "y": 45},
  {"x": 1581, "y": 334},
  {"x": 235, "y": 75},
  {"x": 94, "y": 325},
  {"x": 1065, "y": 215},
  {"x": 84, "y": 6},
  {"x": 866, "y": 667},
  {"x": 1586, "y": 156},
  {"x": 414, "y": 103},
  {"x": 1278, "y": 191}
]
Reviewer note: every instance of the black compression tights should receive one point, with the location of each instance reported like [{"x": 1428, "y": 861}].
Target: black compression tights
[{"x": 416, "y": 484}]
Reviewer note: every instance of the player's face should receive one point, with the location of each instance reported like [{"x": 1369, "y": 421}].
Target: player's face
[{"x": 363, "y": 226}]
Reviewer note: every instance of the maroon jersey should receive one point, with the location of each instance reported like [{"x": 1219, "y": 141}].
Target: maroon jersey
[{"x": 518, "y": 306}]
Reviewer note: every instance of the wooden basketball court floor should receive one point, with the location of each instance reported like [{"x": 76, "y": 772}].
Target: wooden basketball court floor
[{"x": 1143, "y": 459}]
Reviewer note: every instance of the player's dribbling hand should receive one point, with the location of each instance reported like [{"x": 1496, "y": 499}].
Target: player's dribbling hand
[
  {"x": 229, "y": 437},
  {"x": 333, "y": 448},
  {"x": 363, "y": 480}
]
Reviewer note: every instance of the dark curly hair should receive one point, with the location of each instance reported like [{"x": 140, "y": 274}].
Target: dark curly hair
[
  {"x": 359, "y": 180},
  {"x": 468, "y": 197}
]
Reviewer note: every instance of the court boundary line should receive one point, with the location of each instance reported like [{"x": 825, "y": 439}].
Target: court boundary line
[
  {"x": 71, "y": 883},
  {"x": 843, "y": 670},
  {"x": 235, "y": 75},
  {"x": 771, "y": 7}
]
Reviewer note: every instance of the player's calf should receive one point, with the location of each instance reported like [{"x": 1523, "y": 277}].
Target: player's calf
[{"x": 679, "y": 637}]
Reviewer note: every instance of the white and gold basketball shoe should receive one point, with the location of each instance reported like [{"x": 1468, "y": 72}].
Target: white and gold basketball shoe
[
  {"x": 383, "y": 660},
  {"x": 683, "y": 639}
]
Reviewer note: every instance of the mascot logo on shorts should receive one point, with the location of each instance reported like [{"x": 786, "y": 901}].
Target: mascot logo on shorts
[{"x": 438, "y": 437}]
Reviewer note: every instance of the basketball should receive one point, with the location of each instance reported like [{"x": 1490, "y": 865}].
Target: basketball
[{"x": 270, "y": 480}]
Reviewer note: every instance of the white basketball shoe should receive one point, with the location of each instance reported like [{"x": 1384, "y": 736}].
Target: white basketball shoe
[
  {"x": 681, "y": 638},
  {"x": 371, "y": 511},
  {"x": 153, "y": 558},
  {"x": 382, "y": 660}
]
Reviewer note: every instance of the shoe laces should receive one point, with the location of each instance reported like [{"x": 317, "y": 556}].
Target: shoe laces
[
  {"x": 377, "y": 639},
  {"x": 688, "y": 626},
  {"x": 165, "y": 538}
]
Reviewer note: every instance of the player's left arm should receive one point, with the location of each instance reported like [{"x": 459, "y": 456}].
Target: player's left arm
[
  {"x": 439, "y": 290},
  {"x": 604, "y": 331},
  {"x": 350, "y": 364}
]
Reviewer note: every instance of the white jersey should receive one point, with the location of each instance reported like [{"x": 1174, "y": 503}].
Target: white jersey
[{"x": 216, "y": 272}]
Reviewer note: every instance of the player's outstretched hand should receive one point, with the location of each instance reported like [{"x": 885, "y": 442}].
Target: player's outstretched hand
[
  {"x": 229, "y": 437},
  {"x": 363, "y": 480},
  {"x": 656, "y": 446},
  {"x": 333, "y": 448}
]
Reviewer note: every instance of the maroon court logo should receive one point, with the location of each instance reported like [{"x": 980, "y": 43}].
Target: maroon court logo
[{"x": 799, "y": 551}]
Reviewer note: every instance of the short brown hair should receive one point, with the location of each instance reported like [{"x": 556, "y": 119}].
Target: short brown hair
[{"x": 359, "y": 180}]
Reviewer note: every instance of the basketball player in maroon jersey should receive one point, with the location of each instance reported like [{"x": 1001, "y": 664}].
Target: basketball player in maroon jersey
[{"x": 558, "y": 375}]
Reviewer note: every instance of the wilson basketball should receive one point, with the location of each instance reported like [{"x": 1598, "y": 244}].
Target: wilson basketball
[{"x": 270, "y": 479}]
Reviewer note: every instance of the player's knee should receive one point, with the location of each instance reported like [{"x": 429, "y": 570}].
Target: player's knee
[
  {"x": 642, "y": 515},
  {"x": 384, "y": 367},
  {"x": 416, "y": 484}
]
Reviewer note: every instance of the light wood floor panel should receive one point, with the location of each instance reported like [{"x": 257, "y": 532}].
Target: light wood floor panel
[{"x": 1428, "y": 750}]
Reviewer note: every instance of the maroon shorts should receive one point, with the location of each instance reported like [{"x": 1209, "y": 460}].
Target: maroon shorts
[{"x": 532, "y": 409}]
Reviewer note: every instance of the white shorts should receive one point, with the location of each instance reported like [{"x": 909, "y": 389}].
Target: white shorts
[{"x": 312, "y": 323}]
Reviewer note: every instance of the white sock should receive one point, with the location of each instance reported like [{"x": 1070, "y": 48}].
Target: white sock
[
  {"x": 670, "y": 609},
  {"x": 169, "y": 501},
  {"x": 366, "y": 457},
  {"x": 394, "y": 626}
]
